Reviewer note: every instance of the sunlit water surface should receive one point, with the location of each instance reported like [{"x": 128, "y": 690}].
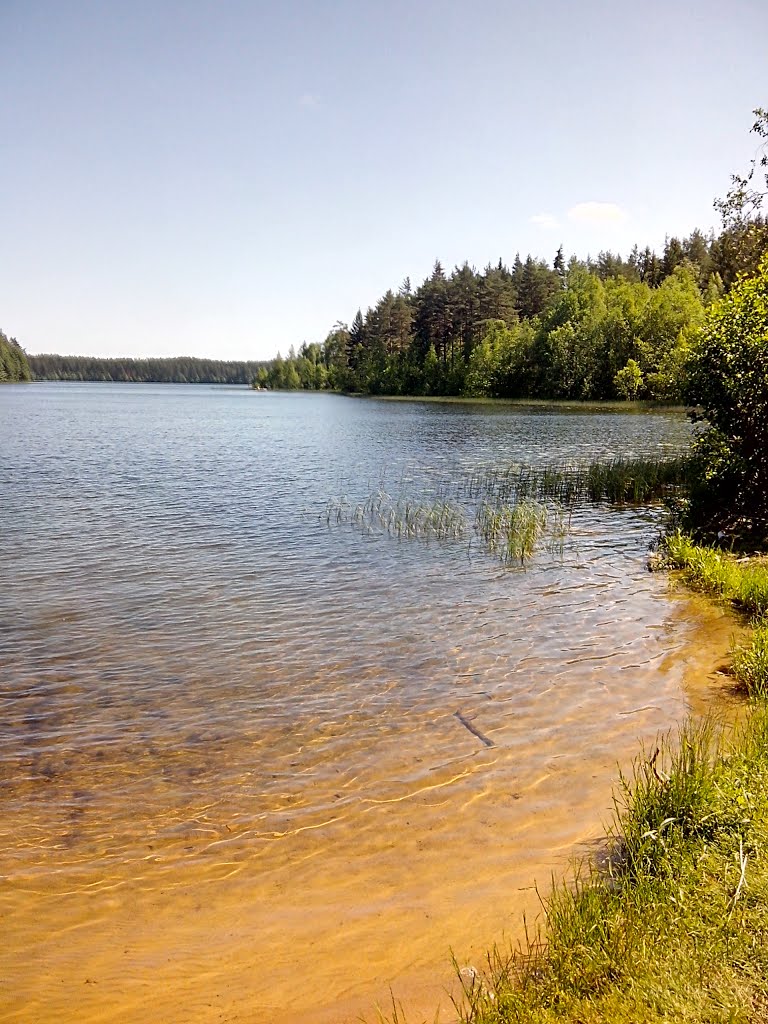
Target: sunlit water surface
[{"x": 236, "y": 782}]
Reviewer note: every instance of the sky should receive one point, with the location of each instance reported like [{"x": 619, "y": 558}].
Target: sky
[{"x": 227, "y": 178}]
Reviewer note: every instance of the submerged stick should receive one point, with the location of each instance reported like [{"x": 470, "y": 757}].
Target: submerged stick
[{"x": 474, "y": 730}]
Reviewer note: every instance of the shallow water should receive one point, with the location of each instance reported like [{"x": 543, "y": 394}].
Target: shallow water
[{"x": 237, "y": 781}]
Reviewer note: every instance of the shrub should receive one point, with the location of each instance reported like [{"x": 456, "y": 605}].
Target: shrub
[{"x": 728, "y": 383}]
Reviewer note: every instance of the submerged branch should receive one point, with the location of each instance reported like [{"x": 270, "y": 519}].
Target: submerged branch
[{"x": 473, "y": 729}]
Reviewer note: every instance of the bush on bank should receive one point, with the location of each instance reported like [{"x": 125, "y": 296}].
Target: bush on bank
[{"x": 728, "y": 383}]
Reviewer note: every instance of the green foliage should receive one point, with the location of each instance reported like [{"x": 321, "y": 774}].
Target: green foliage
[
  {"x": 493, "y": 360},
  {"x": 629, "y": 380},
  {"x": 747, "y": 192},
  {"x": 744, "y": 239},
  {"x": 749, "y": 663},
  {"x": 529, "y": 330},
  {"x": 728, "y": 382},
  {"x": 14, "y": 365}
]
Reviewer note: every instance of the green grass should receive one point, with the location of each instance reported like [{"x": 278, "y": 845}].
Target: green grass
[
  {"x": 750, "y": 664},
  {"x": 676, "y": 927},
  {"x": 514, "y": 532},
  {"x": 742, "y": 582}
]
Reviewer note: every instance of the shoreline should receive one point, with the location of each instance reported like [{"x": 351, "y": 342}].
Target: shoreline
[{"x": 655, "y": 921}]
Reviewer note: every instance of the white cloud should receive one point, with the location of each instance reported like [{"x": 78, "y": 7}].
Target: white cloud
[
  {"x": 309, "y": 100},
  {"x": 545, "y": 220},
  {"x": 597, "y": 213}
]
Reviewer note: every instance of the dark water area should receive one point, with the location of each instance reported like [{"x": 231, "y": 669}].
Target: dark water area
[{"x": 231, "y": 736}]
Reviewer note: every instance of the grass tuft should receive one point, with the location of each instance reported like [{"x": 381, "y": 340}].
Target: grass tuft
[
  {"x": 749, "y": 664},
  {"x": 514, "y": 532},
  {"x": 743, "y": 583}
]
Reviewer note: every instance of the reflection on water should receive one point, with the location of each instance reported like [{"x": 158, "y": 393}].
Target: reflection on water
[{"x": 236, "y": 777}]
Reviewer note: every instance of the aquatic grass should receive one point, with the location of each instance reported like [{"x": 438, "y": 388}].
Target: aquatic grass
[
  {"x": 674, "y": 925},
  {"x": 615, "y": 480},
  {"x": 510, "y": 532},
  {"x": 637, "y": 480},
  {"x": 402, "y": 517},
  {"x": 514, "y": 532},
  {"x": 515, "y": 509}
]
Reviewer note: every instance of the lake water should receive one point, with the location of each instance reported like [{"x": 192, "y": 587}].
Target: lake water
[{"x": 236, "y": 777}]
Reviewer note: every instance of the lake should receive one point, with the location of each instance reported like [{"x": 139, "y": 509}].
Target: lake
[{"x": 237, "y": 778}]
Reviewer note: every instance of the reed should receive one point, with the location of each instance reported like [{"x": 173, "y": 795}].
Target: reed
[
  {"x": 616, "y": 480},
  {"x": 515, "y": 510},
  {"x": 514, "y": 532},
  {"x": 510, "y": 532},
  {"x": 402, "y": 517}
]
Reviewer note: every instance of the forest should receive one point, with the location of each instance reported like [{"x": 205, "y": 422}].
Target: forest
[
  {"x": 13, "y": 361},
  {"x": 598, "y": 328},
  {"x": 601, "y": 328},
  {"x": 173, "y": 370}
]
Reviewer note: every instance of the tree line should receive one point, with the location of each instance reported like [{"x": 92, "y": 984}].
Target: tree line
[
  {"x": 598, "y": 328},
  {"x": 13, "y": 361},
  {"x": 173, "y": 370}
]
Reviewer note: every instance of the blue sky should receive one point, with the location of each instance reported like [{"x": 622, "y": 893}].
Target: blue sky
[{"x": 230, "y": 178}]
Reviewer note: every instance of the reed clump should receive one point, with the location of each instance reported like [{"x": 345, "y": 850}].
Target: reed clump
[
  {"x": 515, "y": 510},
  {"x": 674, "y": 926},
  {"x": 615, "y": 480},
  {"x": 439, "y": 518},
  {"x": 514, "y": 532},
  {"x": 511, "y": 532}
]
